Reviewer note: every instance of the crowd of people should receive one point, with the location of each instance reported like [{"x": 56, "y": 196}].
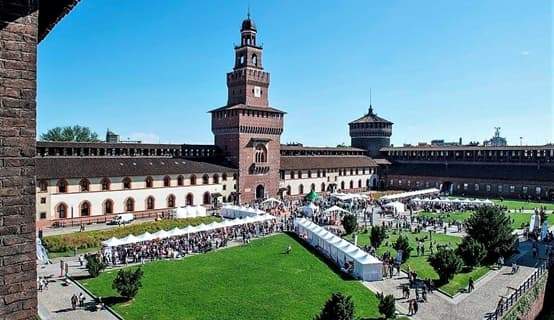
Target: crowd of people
[{"x": 200, "y": 242}]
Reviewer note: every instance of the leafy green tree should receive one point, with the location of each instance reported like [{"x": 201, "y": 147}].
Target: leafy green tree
[
  {"x": 70, "y": 133},
  {"x": 128, "y": 282},
  {"x": 338, "y": 307},
  {"x": 471, "y": 251},
  {"x": 94, "y": 265},
  {"x": 403, "y": 244},
  {"x": 377, "y": 235},
  {"x": 446, "y": 263},
  {"x": 350, "y": 223},
  {"x": 492, "y": 227},
  {"x": 386, "y": 306}
]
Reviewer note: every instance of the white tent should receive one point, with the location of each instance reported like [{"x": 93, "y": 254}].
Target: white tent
[
  {"x": 145, "y": 237},
  {"x": 129, "y": 239},
  {"x": 188, "y": 212},
  {"x": 112, "y": 242},
  {"x": 233, "y": 212},
  {"x": 272, "y": 201},
  {"x": 310, "y": 209},
  {"x": 340, "y": 251},
  {"x": 410, "y": 194},
  {"x": 396, "y": 206}
]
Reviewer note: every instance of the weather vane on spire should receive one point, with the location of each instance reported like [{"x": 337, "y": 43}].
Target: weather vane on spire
[
  {"x": 370, "y": 106},
  {"x": 248, "y": 11}
]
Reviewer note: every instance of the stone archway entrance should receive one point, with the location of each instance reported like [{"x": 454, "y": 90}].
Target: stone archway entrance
[
  {"x": 447, "y": 187},
  {"x": 260, "y": 192}
]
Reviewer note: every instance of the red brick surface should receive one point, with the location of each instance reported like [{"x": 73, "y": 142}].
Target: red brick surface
[{"x": 18, "y": 39}]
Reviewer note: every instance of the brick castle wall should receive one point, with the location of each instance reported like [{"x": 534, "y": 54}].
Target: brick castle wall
[{"x": 18, "y": 42}]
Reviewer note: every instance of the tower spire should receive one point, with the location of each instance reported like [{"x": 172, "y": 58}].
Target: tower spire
[
  {"x": 248, "y": 11},
  {"x": 370, "y": 106}
]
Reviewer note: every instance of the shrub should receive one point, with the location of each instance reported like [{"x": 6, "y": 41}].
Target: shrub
[
  {"x": 94, "y": 265},
  {"x": 377, "y": 235},
  {"x": 349, "y": 222},
  {"x": 471, "y": 252},
  {"x": 403, "y": 244},
  {"x": 446, "y": 263},
  {"x": 386, "y": 306},
  {"x": 128, "y": 282},
  {"x": 338, "y": 307},
  {"x": 93, "y": 239}
]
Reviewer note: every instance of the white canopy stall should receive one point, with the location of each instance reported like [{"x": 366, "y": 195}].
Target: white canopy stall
[
  {"x": 396, "y": 206},
  {"x": 188, "y": 212},
  {"x": 233, "y": 212},
  {"x": 404, "y": 195},
  {"x": 365, "y": 266},
  {"x": 175, "y": 232}
]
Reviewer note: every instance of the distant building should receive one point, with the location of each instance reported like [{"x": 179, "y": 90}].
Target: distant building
[
  {"x": 496, "y": 140},
  {"x": 112, "y": 137}
]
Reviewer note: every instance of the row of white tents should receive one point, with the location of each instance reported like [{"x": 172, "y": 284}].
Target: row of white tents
[
  {"x": 349, "y": 196},
  {"x": 404, "y": 195},
  {"x": 234, "y": 212},
  {"x": 188, "y": 212},
  {"x": 177, "y": 232},
  {"x": 475, "y": 202},
  {"x": 365, "y": 266}
]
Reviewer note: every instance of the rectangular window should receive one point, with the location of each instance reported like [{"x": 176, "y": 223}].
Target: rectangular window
[
  {"x": 488, "y": 188},
  {"x": 224, "y": 187},
  {"x": 538, "y": 190},
  {"x": 525, "y": 189},
  {"x": 43, "y": 200},
  {"x": 500, "y": 188},
  {"x": 466, "y": 186},
  {"x": 512, "y": 189},
  {"x": 476, "y": 187},
  {"x": 43, "y": 215}
]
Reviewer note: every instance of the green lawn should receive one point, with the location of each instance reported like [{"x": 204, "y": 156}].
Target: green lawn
[
  {"x": 527, "y": 205},
  {"x": 420, "y": 265},
  {"x": 519, "y": 220},
  {"x": 256, "y": 281}
]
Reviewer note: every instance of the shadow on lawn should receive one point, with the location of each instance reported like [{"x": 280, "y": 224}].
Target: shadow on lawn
[
  {"x": 113, "y": 300},
  {"x": 322, "y": 258}
]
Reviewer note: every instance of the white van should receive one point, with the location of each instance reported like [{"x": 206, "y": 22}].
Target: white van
[{"x": 123, "y": 218}]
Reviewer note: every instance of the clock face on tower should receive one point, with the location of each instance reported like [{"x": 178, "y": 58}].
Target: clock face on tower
[{"x": 257, "y": 92}]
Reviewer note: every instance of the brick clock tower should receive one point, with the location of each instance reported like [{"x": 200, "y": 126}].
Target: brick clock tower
[{"x": 247, "y": 129}]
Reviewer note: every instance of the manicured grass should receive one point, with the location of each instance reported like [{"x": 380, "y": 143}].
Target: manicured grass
[
  {"x": 526, "y": 205},
  {"x": 420, "y": 265},
  {"x": 256, "y": 281},
  {"x": 65, "y": 244},
  {"x": 519, "y": 220}
]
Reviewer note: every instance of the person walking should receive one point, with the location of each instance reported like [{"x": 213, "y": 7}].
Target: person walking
[
  {"x": 74, "y": 301},
  {"x": 470, "y": 286},
  {"x": 410, "y": 307},
  {"x": 61, "y": 268},
  {"x": 415, "y": 307}
]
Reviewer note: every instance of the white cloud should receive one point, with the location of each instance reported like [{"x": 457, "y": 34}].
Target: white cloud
[{"x": 142, "y": 136}]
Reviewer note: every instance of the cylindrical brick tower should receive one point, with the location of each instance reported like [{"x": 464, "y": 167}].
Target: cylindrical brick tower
[{"x": 371, "y": 133}]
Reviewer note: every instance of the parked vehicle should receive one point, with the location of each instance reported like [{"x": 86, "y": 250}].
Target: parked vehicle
[{"x": 123, "y": 218}]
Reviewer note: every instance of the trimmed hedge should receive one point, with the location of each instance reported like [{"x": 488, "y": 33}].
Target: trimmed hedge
[{"x": 93, "y": 239}]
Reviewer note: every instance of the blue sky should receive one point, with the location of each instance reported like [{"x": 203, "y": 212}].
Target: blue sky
[{"x": 438, "y": 69}]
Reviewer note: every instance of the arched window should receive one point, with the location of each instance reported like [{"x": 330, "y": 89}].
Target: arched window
[
  {"x": 255, "y": 60},
  {"x": 292, "y": 174},
  {"x": 180, "y": 181},
  {"x": 215, "y": 178},
  {"x": 351, "y": 184},
  {"x": 167, "y": 181},
  {"x": 323, "y": 187},
  {"x": 359, "y": 183},
  {"x": 205, "y": 179},
  {"x": 319, "y": 173},
  {"x": 207, "y": 198},
  {"x": 126, "y": 183},
  {"x": 342, "y": 185},
  {"x": 105, "y": 184},
  {"x": 192, "y": 180},
  {"x": 190, "y": 199},
  {"x": 43, "y": 185},
  {"x": 235, "y": 176},
  {"x": 130, "y": 205},
  {"x": 85, "y": 209},
  {"x": 84, "y": 184},
  {"x": 260, "y": 154},
  {"x": 150, "y": 203},
  {"x": 171, "y": 201},
  {"x": 224, "y": 177},
  {"x": 289, "y": 190},
  {"x": 62, "y": 185},
  {"x": 108, "y": 206},
  {"x": 309, "y": 173},
  {"x": 241, "y": 59},
  {"x": 312, "y": 187},
  {"x": 299, "y": 174},
  {"x": 149, "y": 182},
  {"x": 301, "y": 189},
  {"x": 61, "y": 210}
]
